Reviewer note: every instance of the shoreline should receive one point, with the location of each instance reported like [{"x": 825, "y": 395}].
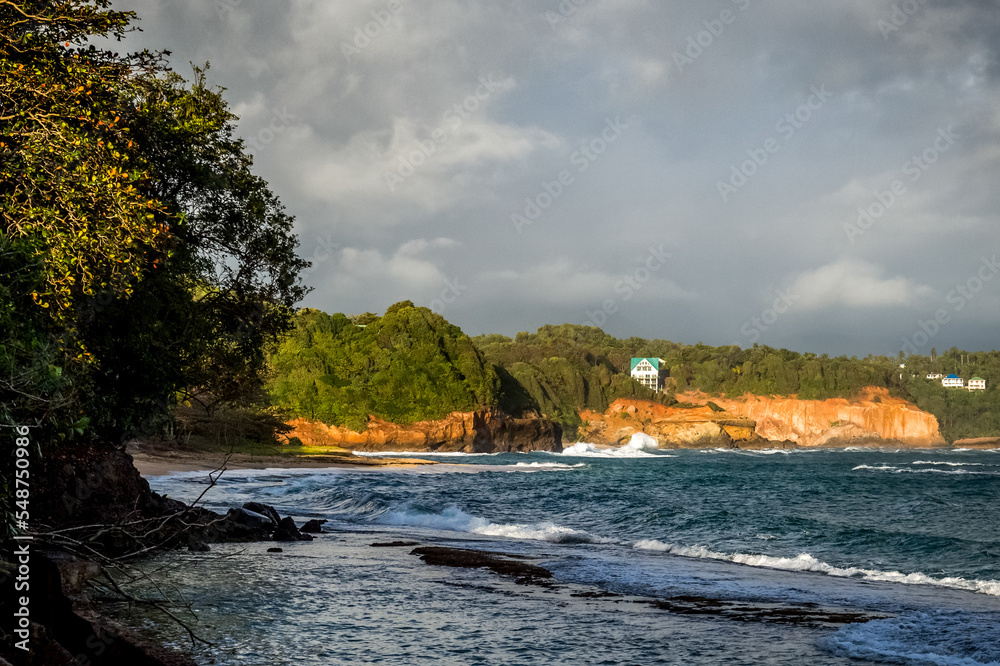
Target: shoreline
[{"x": 153, "y": 459}]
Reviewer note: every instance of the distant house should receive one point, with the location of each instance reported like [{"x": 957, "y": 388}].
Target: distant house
[
  {"x": 977, "y": 384},
  {"x": 649, "y": 372},
  {"x": 952, "y": 381},
  {"x": 935, "y": 375}
]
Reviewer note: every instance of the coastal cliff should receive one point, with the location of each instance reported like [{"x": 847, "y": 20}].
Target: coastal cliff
[
  {"x": 871, "y": 418},
  {"x": 467, "y": 432}
]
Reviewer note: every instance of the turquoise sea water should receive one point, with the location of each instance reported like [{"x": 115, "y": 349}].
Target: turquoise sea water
[{"x": 911, "y": 534}]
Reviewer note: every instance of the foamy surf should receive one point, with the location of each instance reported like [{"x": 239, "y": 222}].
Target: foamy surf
[
  {"x": 894, "y": 469},
  {"x": 947, "y": 638},
  {"x": 806, "y": 562},
  {"x": 640, "y": 446},
  {"x": 455, "y": 520},
  {"x": 548, "y": 465}
]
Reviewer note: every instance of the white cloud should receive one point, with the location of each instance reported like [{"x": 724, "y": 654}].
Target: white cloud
[
  {"x": 857, "y": 284},
  {"x": 560, "y": 282}
]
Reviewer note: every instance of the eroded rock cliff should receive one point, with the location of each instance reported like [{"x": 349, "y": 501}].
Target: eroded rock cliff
[
  {"x": 872, "y": 418},
  {"x": 468, "y": 432},
  {"x": 872, "y": 415}
]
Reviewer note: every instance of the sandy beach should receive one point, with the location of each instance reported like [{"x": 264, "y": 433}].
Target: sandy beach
[{"x": 157, "y": 459}]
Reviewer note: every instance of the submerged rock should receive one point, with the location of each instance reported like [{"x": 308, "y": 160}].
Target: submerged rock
[{"x": 501, "y": 563}]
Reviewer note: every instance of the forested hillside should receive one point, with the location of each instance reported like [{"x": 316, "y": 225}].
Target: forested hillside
[
  {"x": 542, "y": 363},
  {"x": 411, "y": 365},
  {"x": 408, "y": 365}
]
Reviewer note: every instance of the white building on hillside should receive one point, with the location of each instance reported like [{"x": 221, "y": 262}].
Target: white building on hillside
[
  {"x": 952, "y": 381},
  {"x": 649, "y": 372},
  {"x": 935, "y": 375},
  {"x": 977, "y": 384}
]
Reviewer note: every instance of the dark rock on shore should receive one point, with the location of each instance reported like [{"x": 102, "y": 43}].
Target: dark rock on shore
[
  {"x": 394, "y": 544},
  {"x": 251, "y": 519},
  {"x": 67, "y": 631},
  {"x": 264, "y": 510},
  {"x": 287, "y": 531},
  {"x": 501, "y": 563},
  {"x": 314, "y": 526}
]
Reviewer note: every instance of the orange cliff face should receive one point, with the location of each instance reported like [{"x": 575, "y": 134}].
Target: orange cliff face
[
  {"x": 469, "y": 432},
  {"x": 817, "y": 422},
  {"x": 870, "y": 418}
]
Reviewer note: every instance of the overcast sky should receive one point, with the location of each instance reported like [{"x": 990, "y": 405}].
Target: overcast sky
[{"x": 682, "y": 170}]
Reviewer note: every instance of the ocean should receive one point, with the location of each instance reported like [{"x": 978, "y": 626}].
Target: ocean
[{"x": 658, "y": 557}]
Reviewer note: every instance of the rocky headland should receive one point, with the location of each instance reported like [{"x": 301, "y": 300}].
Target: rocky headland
[{"x": 871, "y": 419}]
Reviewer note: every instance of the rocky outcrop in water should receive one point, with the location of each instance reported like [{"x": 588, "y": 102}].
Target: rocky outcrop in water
[{"x": 468, "y": 432}]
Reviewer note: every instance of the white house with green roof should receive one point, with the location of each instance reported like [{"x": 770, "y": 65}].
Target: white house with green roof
[
  {"x": 649, "y": 372},
  {"x": 976, "y": 384}
]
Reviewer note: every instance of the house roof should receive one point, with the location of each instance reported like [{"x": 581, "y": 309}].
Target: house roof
[
  {"x": 655, "y": 362},
  {"x": 953, "y": 376},
  {"x": 977, "y": 379}
]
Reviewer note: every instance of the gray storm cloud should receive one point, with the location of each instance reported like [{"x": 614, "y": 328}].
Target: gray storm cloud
[{"x": 408, "y": 138}]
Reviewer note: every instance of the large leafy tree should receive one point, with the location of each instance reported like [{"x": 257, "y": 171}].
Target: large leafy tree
[{"x": 142, "y": 259}]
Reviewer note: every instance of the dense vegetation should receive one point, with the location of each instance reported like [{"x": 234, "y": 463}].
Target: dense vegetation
[
  {"x": 411, "y": 365},
  {"x": 545, "y": 363},
  {"x": 408, "y": 365},
  {"x": 142, "y": 261},
  {"x": 564, "y": 369}
]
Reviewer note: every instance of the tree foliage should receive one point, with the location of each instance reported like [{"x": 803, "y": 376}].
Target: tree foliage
[
  {"x": 408, "y": 365},
  {"x": 142, "y": 259}
]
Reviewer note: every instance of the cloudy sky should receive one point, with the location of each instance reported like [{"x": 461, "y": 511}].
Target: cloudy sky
[{"x": 821, "y": 176}]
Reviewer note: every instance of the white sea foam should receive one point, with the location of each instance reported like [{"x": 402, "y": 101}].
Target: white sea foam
[
  {"x": 929, "y": 470},
  {"x": 638, "y": 447},
  {"x": 949, "y": 464},
  {"x": 806, "y": 562},
  {"x": 548, "y": 465},
  {"x": 456, "y": 520},
  {"x": 945, "y": 638}
]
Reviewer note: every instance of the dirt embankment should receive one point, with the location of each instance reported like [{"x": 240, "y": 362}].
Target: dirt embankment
[
  {"x": 750, "y": 421},
  {"x": 468, "y": 432}
]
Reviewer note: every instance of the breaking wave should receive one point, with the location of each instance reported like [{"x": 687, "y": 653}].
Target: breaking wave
[
  {"x": 640, "y": 446},
  {"x": 806, "y": 562},
  {"x": 456, "y": 520}
]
